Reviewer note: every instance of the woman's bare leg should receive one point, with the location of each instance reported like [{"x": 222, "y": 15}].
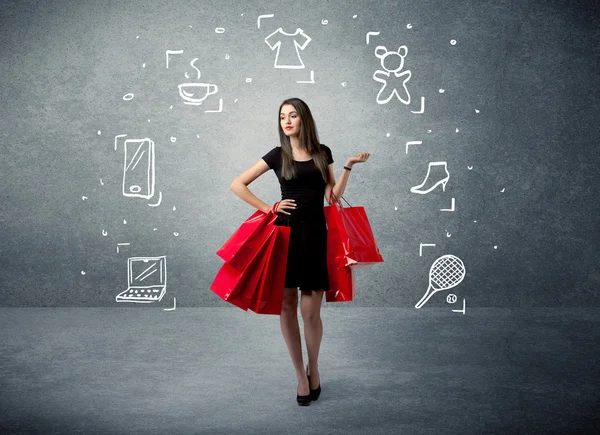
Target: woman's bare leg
[
  {"x": 291, "y": 334},
  {"x": 310, "y": 306}
]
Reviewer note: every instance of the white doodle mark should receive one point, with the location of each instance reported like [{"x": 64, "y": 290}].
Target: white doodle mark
[
  {"x": 428, "y": 131},
  {"x": 421, "y": 247},
  {"x": 453, "y": 41},
  {"x": 469, "y": 168},
  {"x": 387, "y": 135},
  {"x": 174, "y": 305},
  {"x": 354, "y": 16},
  {"x": 173, "y": 139},
  {"x": 191, "y": 94},
  {"x": 370, "y": 34},
  {"x": 288, "y": 46},
  {"x": 154, "y": 229},
  {"x": 442, "y": 91},
  {"x": 248, "y": 80},
  {"x": 395, "y": 208},
  {"x": 451, "y": 298},
  {"x": 148, "y": 119},
  {"x": 124, "y": 222},
  {"x": 503, "y": 190},
  {"x": 312, "y": 78},
  {"x": 121, "y": 244},
  {"x": 169, "y": 53},
  {"x": 99, "y": 132},
  {"x": 138, "y": 167},
  {"x": 104, "y": 233},
  {"x": 101, "y": 182},
  {"x": 452, "y": 207},
  {"x": 159, "y": 200},
  {"x": 474, "y": 221},
  {"x": 324, "y": 22},
  {"x": 176, "y": 234},
  {"x": 412, "y": 142},
  {"x": 128, "y": 97},
  {"x": 146, "y": 280},
  {"x": 392, "y": 63},
  {"x": 437, "y": 173},
  {"x": 476, "y": 111},
  {"x": 144, "y": 65},
  {"x": 198, "y": 136},
  {"x": 83, "y": 272},
  {"x": 219, "y": 110},
  {"x": 83, "y": 198},
  {"x": 227, "y": 56},
  {"x": 463, "y": 308},
  {"x": 409, "y": 26},
  {"x": 445, "y": 273},
  {"x": 137, "y": 37},
  {"x": 448, "y": 234},
  {"x": 220, "y": 30},
  {"x": 235, "y": 101},
  {"x": 495, "y": 246},
  {"x": 422, "y": 109},
  {"x": 263, "y": 16},
  {"x": 344, "y": 84},
  {"x": 456, "y": 130}
]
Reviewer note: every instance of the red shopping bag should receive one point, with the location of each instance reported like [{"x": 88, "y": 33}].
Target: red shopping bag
[
  {"x": 237, "y": 286},
  {"x": 354, "y": 243},
  {"x": 268, "y": 295},
  {"x": 239, "y": 249},
  {"x": 342, "y": 287}
]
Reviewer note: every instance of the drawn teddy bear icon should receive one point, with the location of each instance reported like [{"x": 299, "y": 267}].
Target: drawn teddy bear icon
[{"x": 392, "y": 62}]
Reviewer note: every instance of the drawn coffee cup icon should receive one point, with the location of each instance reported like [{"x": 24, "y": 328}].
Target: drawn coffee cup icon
[{"x": 196, "y": 93}]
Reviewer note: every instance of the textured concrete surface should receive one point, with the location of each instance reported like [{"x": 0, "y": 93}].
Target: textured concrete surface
[{"x": 143, "y": 370}]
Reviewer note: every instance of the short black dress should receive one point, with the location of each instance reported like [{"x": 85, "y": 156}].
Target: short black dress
[{"x": 306, "y": 266}]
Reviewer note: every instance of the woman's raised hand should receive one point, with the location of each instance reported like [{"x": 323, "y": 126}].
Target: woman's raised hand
[
  {"x": 360, "y": 157},
  {"x": 284, "y": 204}
]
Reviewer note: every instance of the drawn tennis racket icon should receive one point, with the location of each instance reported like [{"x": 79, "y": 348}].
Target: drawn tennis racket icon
[{"x": 445, "y": 272}]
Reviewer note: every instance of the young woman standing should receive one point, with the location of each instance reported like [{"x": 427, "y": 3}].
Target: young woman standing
[{"x": 304, "y": 168}]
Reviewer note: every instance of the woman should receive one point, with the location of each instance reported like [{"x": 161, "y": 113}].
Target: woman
[{"x": 304, "y": 168}]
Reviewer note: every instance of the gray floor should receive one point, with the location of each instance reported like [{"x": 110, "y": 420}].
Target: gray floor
[{"x": 144, "y": 370}]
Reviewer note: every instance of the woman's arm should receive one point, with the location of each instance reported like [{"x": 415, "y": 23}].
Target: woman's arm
[
  {"x": 340, "y": 186},
  {"x": 239, "y": 185}
]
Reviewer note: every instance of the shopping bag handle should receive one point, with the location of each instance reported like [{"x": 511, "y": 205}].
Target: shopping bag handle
[{"x": 336, "y": 199}]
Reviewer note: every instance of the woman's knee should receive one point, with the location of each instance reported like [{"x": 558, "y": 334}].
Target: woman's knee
[{"x": 290, "y": 300}]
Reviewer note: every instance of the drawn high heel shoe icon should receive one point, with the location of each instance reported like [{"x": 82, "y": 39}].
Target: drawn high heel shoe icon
[{"x": 431, "y": 179}]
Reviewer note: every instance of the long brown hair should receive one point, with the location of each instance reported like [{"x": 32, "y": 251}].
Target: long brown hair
[{"x": 308, "y": 138}]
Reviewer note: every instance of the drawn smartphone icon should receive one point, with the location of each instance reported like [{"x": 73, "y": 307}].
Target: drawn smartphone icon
[{"x": 138, "y": 169}]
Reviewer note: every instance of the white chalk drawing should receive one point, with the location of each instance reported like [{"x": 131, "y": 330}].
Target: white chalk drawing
[
  {"x": 437, "y": 173},
  {"x": 174, "y": 305},
  {"x": 422, "y": 109},
  {"x": 263, "y": 16},
  {"x": 324, "y": 22},
  {"x": 445, "y": 273},
  {"x": 463, "y": 308},
  {"x": 448, "y": 234},
  {"x": 344, "y": 84},
  {"x": 312, "y": 78},
  {"x": 392, "y": 63},
  {"x": 442, "y": 91},
  {"x": 219, "y": 110},
  {"x": 146, "y": 280},
  {"x": 469, "y": 167},
  {"x": 195, "y": 93},
  {"x": 101, "y": 182},
  {"x": 409, "y": 26},
  {"x": 104, "y": 233},
  {"x": 138, "y": 168},
  {"x": 412, "y": 142},
  {"x": 287, "y": 45},
  {"x": 457, "y": 130},
  {"x": 159, "y": 200},
  {"x": 122, "y": 244},
  {"x": 220, "y": 30},
  {"x": 453, "y": 41},
  {"x": 503, "y": 189},
  {"x": 451, "y": 298},
  {"x": 452, "y": 207},
  {"x": 169, "y": 53},
  {"x": 476, "y": 111},
  {"x": 83, "y": 198},
  {"x": 128, "y": 97},
  {"x": 370, "y": 34},
  {"x": 421, "y": 247}
]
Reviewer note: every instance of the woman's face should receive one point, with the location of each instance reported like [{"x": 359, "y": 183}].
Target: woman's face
[{"x": 289, "y": 120}]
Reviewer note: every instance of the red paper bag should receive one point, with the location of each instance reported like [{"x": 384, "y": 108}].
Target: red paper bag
[
  {"x": 237, "y": 287},
  {"x": 268, "y": 296},
  {"x": 353, "y": 237},
  {"x": 342, "y": 287},
  {"x": 239, "y": 249}
]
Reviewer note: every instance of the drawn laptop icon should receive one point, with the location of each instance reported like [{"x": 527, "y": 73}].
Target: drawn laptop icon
[{"x": 147, "y": 280}]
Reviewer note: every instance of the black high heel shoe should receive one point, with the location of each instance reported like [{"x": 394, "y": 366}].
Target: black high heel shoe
[
  {"x": 304, "y": 400},
  {"x": 314, "y": 394}
]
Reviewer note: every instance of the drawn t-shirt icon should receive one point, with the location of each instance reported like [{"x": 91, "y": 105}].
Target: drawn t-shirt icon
[{"x": 287, "y": 45}]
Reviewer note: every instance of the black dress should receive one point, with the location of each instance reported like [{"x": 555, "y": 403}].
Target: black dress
[{"x": 306, "y": 266}]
